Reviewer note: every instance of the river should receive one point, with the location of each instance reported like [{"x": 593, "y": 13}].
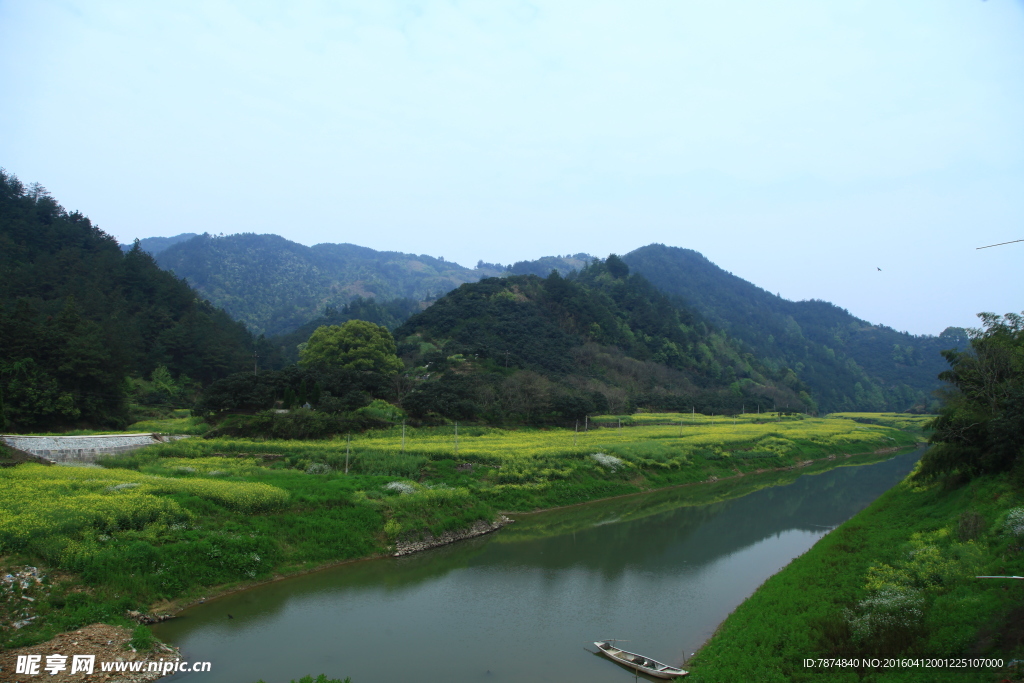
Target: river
[{"x": 523, "y": 603}]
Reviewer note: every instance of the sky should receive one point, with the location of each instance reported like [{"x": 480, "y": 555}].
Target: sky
[{"x": 801, "y": 145}]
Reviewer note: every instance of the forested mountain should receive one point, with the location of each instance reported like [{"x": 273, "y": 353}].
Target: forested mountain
[
  {"x": 543, "y": 266},
  {"x": 389, "y": 314},
  {"x": 848, "y": 363},
  {"x": 600, "y": 340},
  {"x": 78, "y": 316},
  {"x": 277, "y": 287},
  {"x": 154, "y": 245},
  {"x": 274, "y": 285}
]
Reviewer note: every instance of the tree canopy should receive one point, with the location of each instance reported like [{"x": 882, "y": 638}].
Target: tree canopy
[
  {"x": 355, "y": 345},
  {"x": 524, "y": 348},
  {"x": 981, "y": 428},
  {"x": 78, "y": 316},
  {"x": 847, "y": 363}
]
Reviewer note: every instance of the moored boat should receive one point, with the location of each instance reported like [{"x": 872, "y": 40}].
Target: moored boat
[{"x": 649, "y": 666}]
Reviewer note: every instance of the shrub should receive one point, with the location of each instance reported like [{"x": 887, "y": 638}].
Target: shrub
[{"x": 609, "y": 461}]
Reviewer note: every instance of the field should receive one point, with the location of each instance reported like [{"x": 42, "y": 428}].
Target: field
[
  {"x": 918, "y": 423},
  {"x": 172, "y": 521}
]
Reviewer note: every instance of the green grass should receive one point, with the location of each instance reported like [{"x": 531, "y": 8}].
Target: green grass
[
  {"x": 171, "y": 521},
  {"x": 897, "y": 579}
]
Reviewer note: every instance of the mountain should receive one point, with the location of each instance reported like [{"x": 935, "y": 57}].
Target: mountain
[
  {"x": 600, "y": 340},
  {"x": 543, "y": 266},
  {"x": 389, "y": 314},
  {"x": 274, "y": 285},
  {"x": 277, "y": 287},
  {"x": 78, "y": 317},
  {"x": 154, "y": 245},
  {"x": 848, "y": 363}
]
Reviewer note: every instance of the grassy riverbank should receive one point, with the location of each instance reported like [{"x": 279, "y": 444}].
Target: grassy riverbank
[
  {"x": 176, "y": 521},
  {"x": 897, "y": 579}
]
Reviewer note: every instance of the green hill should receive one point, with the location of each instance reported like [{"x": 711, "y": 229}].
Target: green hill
[
  {"x": 389, "y": 314},
  {"x": 848, "y": 363},
  {"x": 78, "y": 316},
  {"x": 601, "y": 340},
  {"x": 274, "y": 285},
  {"x": 277, "y": 287},
  {"x": 154, "y": 245}
]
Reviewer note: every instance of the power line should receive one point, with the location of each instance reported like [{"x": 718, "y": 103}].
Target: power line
[{"x": 1000, "y": 244}]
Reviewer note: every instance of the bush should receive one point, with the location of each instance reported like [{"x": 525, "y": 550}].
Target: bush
[
  {"x": 297, "y": 424},
  {"x": 142, "y": 638}
]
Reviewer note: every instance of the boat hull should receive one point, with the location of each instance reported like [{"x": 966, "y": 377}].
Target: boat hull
[{"x": 639, "y": 663}]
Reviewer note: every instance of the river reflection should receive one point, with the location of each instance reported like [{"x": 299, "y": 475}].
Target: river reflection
[{"x": 521, "y": 605}]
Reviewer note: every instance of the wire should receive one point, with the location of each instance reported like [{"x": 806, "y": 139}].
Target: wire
[{"x": 1000, "y": 244}]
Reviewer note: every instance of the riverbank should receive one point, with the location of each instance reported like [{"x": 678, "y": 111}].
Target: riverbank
[
  {"x": 176, "y": 523},
  {"x": 896, "y": 580},
  {"x": 635, "y": 506},
  {"x": 553, "y": 586}
]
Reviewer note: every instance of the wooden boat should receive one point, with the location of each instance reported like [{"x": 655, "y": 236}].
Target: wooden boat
[{"x": 639, "y": 663}]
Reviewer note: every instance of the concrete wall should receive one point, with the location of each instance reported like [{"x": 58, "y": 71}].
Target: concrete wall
[{"x": 82, "y": 448}]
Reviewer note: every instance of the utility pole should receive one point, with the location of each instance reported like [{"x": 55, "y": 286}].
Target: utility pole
[
  {"x": 575, "y": 433},
  {"x": 255, "y": 360},
  {"x": 586, "y": 423}
]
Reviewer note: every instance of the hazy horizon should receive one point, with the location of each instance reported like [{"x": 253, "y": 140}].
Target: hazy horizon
[{"x": 857, "y": 154}]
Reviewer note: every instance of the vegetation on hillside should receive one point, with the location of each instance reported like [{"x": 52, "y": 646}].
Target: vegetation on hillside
[
  {"x": 389, "y": 314},
  {"x": 846, "y": 363},
  {"x": 980, "y": 429},
  {"x": 79, "y": 319},
  {"x": 523, "y": 348},
  {"x": 896, "y": 581},
  {"x": 154, "y": 245},
  {"x": 901, "y": 579},
  {"x": 274, "y": 285}
]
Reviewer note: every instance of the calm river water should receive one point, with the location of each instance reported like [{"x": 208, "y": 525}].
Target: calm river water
[{"x": 522, "y": 604}]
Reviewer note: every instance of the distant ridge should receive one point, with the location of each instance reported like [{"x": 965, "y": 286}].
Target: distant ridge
[
  {"x": 848, "y": 363},
  {"x": 154, "y": 245},
  {"x": 274, "y": 285},
  {"x": 278, "y": 287}
]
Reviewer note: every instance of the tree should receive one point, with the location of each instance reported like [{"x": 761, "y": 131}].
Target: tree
[
  {"x": 356, "y": 345},
  {"x": 981, "y": 428},
  {"x": 616, "y": 266}
]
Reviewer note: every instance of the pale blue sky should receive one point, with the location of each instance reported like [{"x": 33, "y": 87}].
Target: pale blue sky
[{"x": 799, "y": 144}]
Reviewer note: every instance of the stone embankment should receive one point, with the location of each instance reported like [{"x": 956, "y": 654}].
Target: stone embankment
[
  {"x": 430, "y": 541},
  {"x": 76, "y": 449}
]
